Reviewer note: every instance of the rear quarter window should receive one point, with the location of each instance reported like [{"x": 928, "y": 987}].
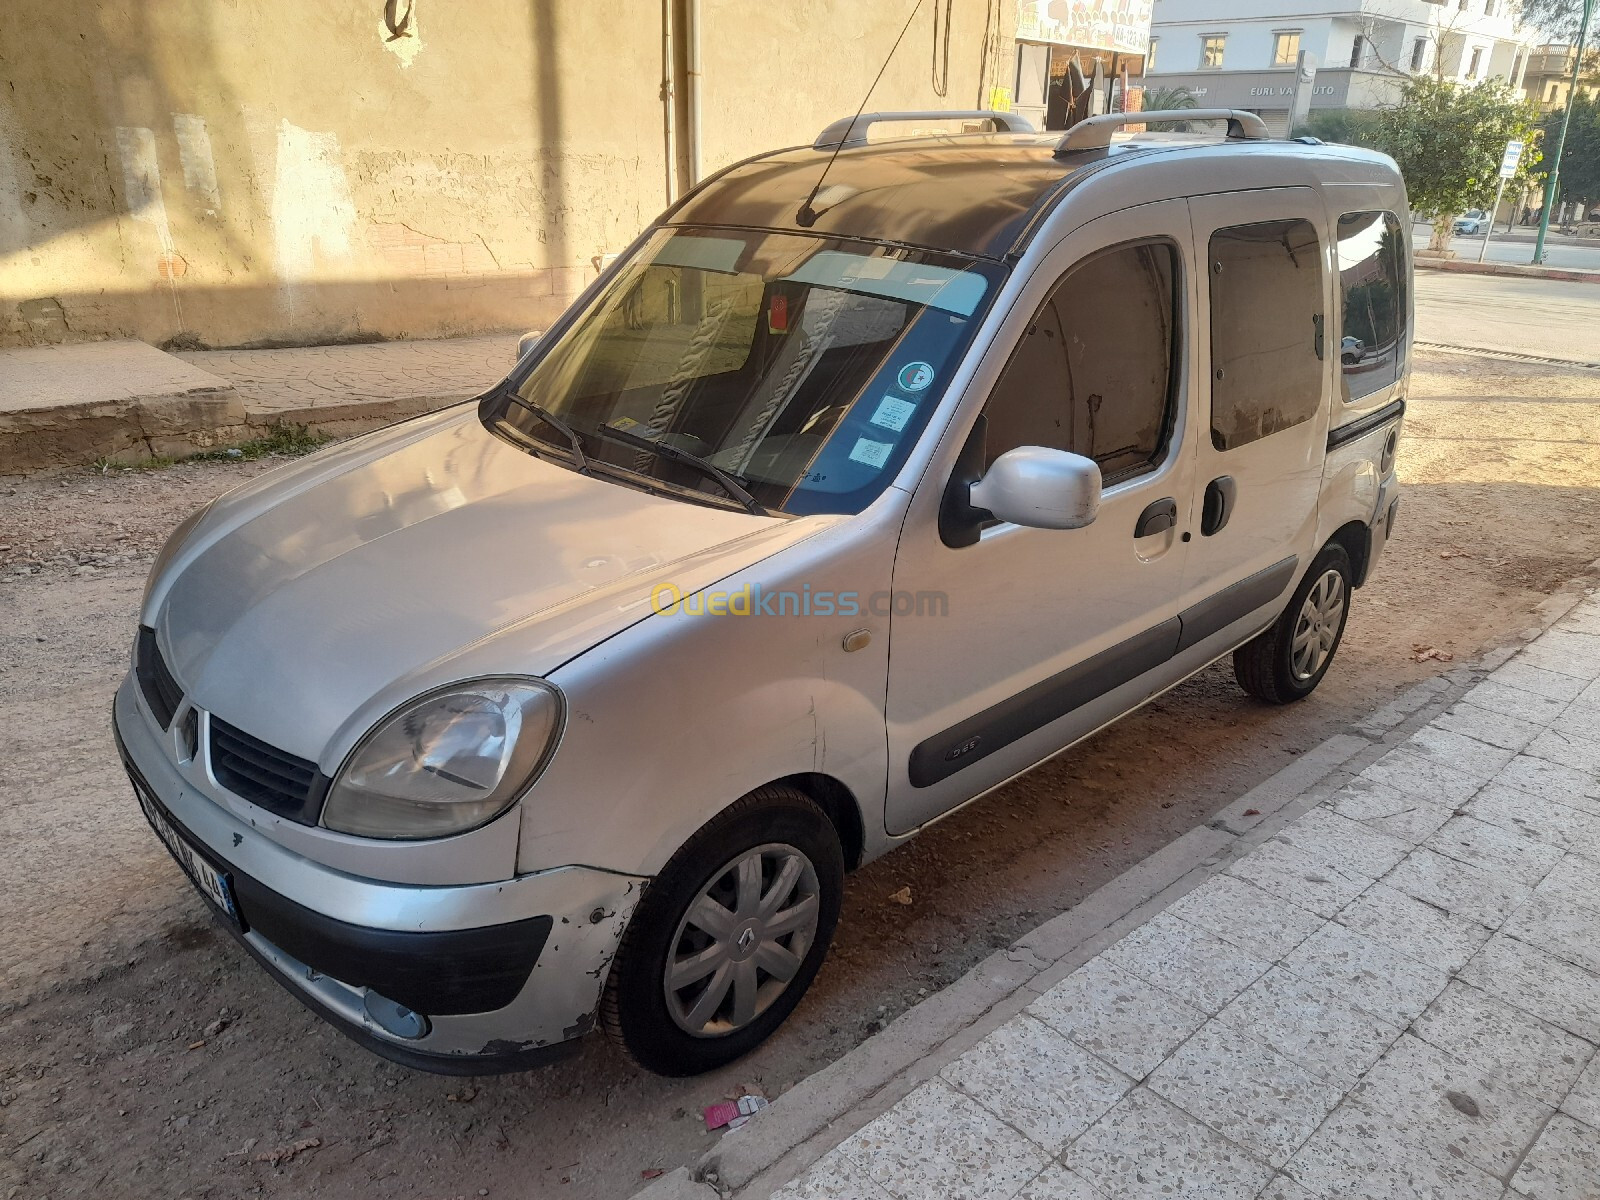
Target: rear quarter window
[{"x": 1372, "y": 288}]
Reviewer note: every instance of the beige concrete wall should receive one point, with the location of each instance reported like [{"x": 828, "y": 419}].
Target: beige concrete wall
[{"x": 226, "y": 172}]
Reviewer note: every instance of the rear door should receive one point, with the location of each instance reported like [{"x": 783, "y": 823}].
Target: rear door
[{"x": 1263, "y": 317}]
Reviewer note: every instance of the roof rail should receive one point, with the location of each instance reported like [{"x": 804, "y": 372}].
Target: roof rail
[
  {"x": 1094, "y": 133},
  {"x": 852, "y": 131}
]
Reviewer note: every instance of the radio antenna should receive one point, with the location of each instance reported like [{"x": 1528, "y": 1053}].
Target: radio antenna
[{"x": 807, "y": 216}]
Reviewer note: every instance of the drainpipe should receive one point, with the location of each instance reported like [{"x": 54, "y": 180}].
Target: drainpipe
[
  {"x": 692, "y": 33},
  {"x": 669, "y": 100}
]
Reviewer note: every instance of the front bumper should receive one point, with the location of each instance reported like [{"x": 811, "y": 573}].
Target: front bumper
[{"x": 476, "y": 979}]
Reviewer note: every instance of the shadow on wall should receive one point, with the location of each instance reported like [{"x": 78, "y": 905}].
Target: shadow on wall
[{"x": 170, "y": 170}]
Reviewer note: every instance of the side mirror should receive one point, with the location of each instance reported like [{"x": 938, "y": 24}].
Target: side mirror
[
  {"x": 1040, "y": 488},
  {"x": 527, "y": 342}
]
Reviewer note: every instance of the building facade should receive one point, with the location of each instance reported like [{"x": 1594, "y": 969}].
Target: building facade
[
  {"x": 1245, "y": 53},
  {"x": 203, "y": 173},
  {"x": 1548, "y": 78}
]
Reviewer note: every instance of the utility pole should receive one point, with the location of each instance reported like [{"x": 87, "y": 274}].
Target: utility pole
[{"x": 1552, "y": 184}]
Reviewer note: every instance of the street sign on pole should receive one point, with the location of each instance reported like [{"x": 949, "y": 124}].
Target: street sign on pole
[
  {"x": 1510, "y": 159},
  {"x": 1508, "y": 168}
]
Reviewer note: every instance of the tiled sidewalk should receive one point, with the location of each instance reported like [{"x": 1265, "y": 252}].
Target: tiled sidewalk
[
  {"x": 1396, "y": 996},
  {"x": 299, "y": 381}
]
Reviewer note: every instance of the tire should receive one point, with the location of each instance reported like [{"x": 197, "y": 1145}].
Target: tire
[
  {"x": 1268, "y": 666},
  {"x": 687, "y": 1031}
]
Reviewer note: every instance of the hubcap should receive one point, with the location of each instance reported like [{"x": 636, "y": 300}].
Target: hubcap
[
  {"x": 742, "y": 940},
  {"x": 1316, "y": 632}
]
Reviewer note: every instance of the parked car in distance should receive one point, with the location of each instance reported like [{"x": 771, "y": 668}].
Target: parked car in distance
[
  {"x": 870, "y": 476},
  {"x": 1470, "y": 222},
  {"x": 1350, "y": 349}
]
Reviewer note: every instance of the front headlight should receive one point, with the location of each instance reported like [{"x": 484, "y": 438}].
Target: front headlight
[{"x": 447, "y": 762}]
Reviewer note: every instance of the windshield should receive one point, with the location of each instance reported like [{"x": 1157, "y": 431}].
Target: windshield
[{"x": 800, "y": 368}]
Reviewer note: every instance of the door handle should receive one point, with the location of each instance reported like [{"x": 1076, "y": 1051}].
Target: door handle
[
  {"x": 1157, "y": 517},
  {"x": 1218, "y": 505}
]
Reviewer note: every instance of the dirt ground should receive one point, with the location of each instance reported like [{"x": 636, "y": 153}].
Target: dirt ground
[{"x": 142, "y": 1054}]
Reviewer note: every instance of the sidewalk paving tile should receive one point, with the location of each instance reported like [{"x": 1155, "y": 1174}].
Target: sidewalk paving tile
[
  {"x": 1559, "y": 653},
  {"x": 1460, "y": 753},
  {"x": 834, "y": 1177},
  {"x": 1406, "y": 770},
  {"x": 1558, "y": 927},
  {"x": 1400, "y": 815},
  {"x": 1369, "y": 973},
  {"x": 1583, "y": 1101},
  {"x": 1568, "y": 749},
  {"x": 1495, "y": 849},
  {"x": 1185, "y": 960},
  {"x": 1452, "y": 1105},
  {"x": 1564, "y": 995},
  {"x": 1499, "y": 697},
  {"x": 1246, "y": 1091},
  {"x": 938, "y": 1143},
  {"x": 1361, "y": 1155},
  {"x": 1256, "y": 921},
  {"x": 1047, "y": 1086},
  {"x": 1055, "y": 1182},
  {"x": 1564, "y": 1163},
  {"x": 1497, "y": 729},
  {"x": 1148, "y": 1149},
  {"x": 1530, "y": 1055},
  {"x": 1417, "y": 930},
  {"x": 1119, "y": 1017},
  {"x": 1573, "y": 880},
  {"x": 1284, "y": 1188},
  {"x": 1458, "y": 887},
  {"x": 1311, "y": 1024},
  {"x": 1553, "y": 685},
  {"x": 1540, "y": 777},
  {"x": 1547, "y": 820},
  {"x": 1339, "y": 838},
  {"x": 1299, "y": 876}
]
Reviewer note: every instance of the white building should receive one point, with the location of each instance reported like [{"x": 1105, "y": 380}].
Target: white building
[{"x": 1243, "y": 53}]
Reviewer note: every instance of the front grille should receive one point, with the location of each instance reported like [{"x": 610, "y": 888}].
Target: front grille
[
  {"x": 262, "y": 774},
  {"x": 161, "y": 690}
]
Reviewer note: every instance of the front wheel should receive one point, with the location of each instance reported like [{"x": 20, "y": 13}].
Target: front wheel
[
  {"x": 1286, "y": 663},
  {"x": 728, "y": 937}
]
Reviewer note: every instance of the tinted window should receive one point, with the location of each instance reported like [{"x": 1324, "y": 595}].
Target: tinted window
[
  {"x": 1093, "y": 373},
  {"x": 1266, "y": 330},
  {"x": 1372, "y": 281}
]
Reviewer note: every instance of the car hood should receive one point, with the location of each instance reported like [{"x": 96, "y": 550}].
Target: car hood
[{"x": 358, "y": 575}]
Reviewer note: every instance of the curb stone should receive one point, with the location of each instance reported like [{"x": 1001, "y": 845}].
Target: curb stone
[{"x": 821, "y": 1111}]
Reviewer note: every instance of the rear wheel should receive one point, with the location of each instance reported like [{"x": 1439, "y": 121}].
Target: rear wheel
[
  {"x": 1286, "y": 663},
  {"x": 728, "y": 937}
]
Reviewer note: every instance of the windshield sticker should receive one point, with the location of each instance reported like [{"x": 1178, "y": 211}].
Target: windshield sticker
[
  {"x": 915, "y": 377},
  {"x": 874, "y": 454},
  {"x": 893, "y": 413},
  {"x": 944, "y": 288}
]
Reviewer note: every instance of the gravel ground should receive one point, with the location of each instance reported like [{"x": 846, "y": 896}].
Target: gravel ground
[{"x": 142, "y": 1054}]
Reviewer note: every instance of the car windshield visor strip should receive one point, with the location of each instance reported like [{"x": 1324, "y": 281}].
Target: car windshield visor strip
[{"x": 783, "y": 373}]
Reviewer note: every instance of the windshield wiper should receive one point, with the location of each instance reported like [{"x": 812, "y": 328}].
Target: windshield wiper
[
  {"x": 574, "y": 438},
  {"x": 668, "y": 451}
]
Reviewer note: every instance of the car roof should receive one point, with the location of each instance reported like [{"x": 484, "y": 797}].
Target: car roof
[{"x": 973, "y": 194}]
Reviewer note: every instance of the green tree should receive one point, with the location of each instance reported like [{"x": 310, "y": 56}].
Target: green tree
[
  {"x": 1164, "y": 99},
  {"x": 1343, "y": 126},
  {"x": 1448, "y": 139},
  {"x": 1580, "y": 162}
]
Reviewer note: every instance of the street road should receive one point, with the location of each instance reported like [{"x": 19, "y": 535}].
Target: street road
[
  {"x": 1547, "y": 317},
  {"x": 143, "y": 1055},
  {"x": 1517, "y": 248}
]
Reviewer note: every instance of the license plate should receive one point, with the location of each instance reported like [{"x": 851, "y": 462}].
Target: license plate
[{"x": 213, "y": 884}]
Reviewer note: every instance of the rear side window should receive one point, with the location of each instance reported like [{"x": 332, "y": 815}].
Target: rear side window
[
  {"x": 1094, "y": 373},
  {"x": 1372, "y": 285},
  {"x": 1266, "y": 330}
]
